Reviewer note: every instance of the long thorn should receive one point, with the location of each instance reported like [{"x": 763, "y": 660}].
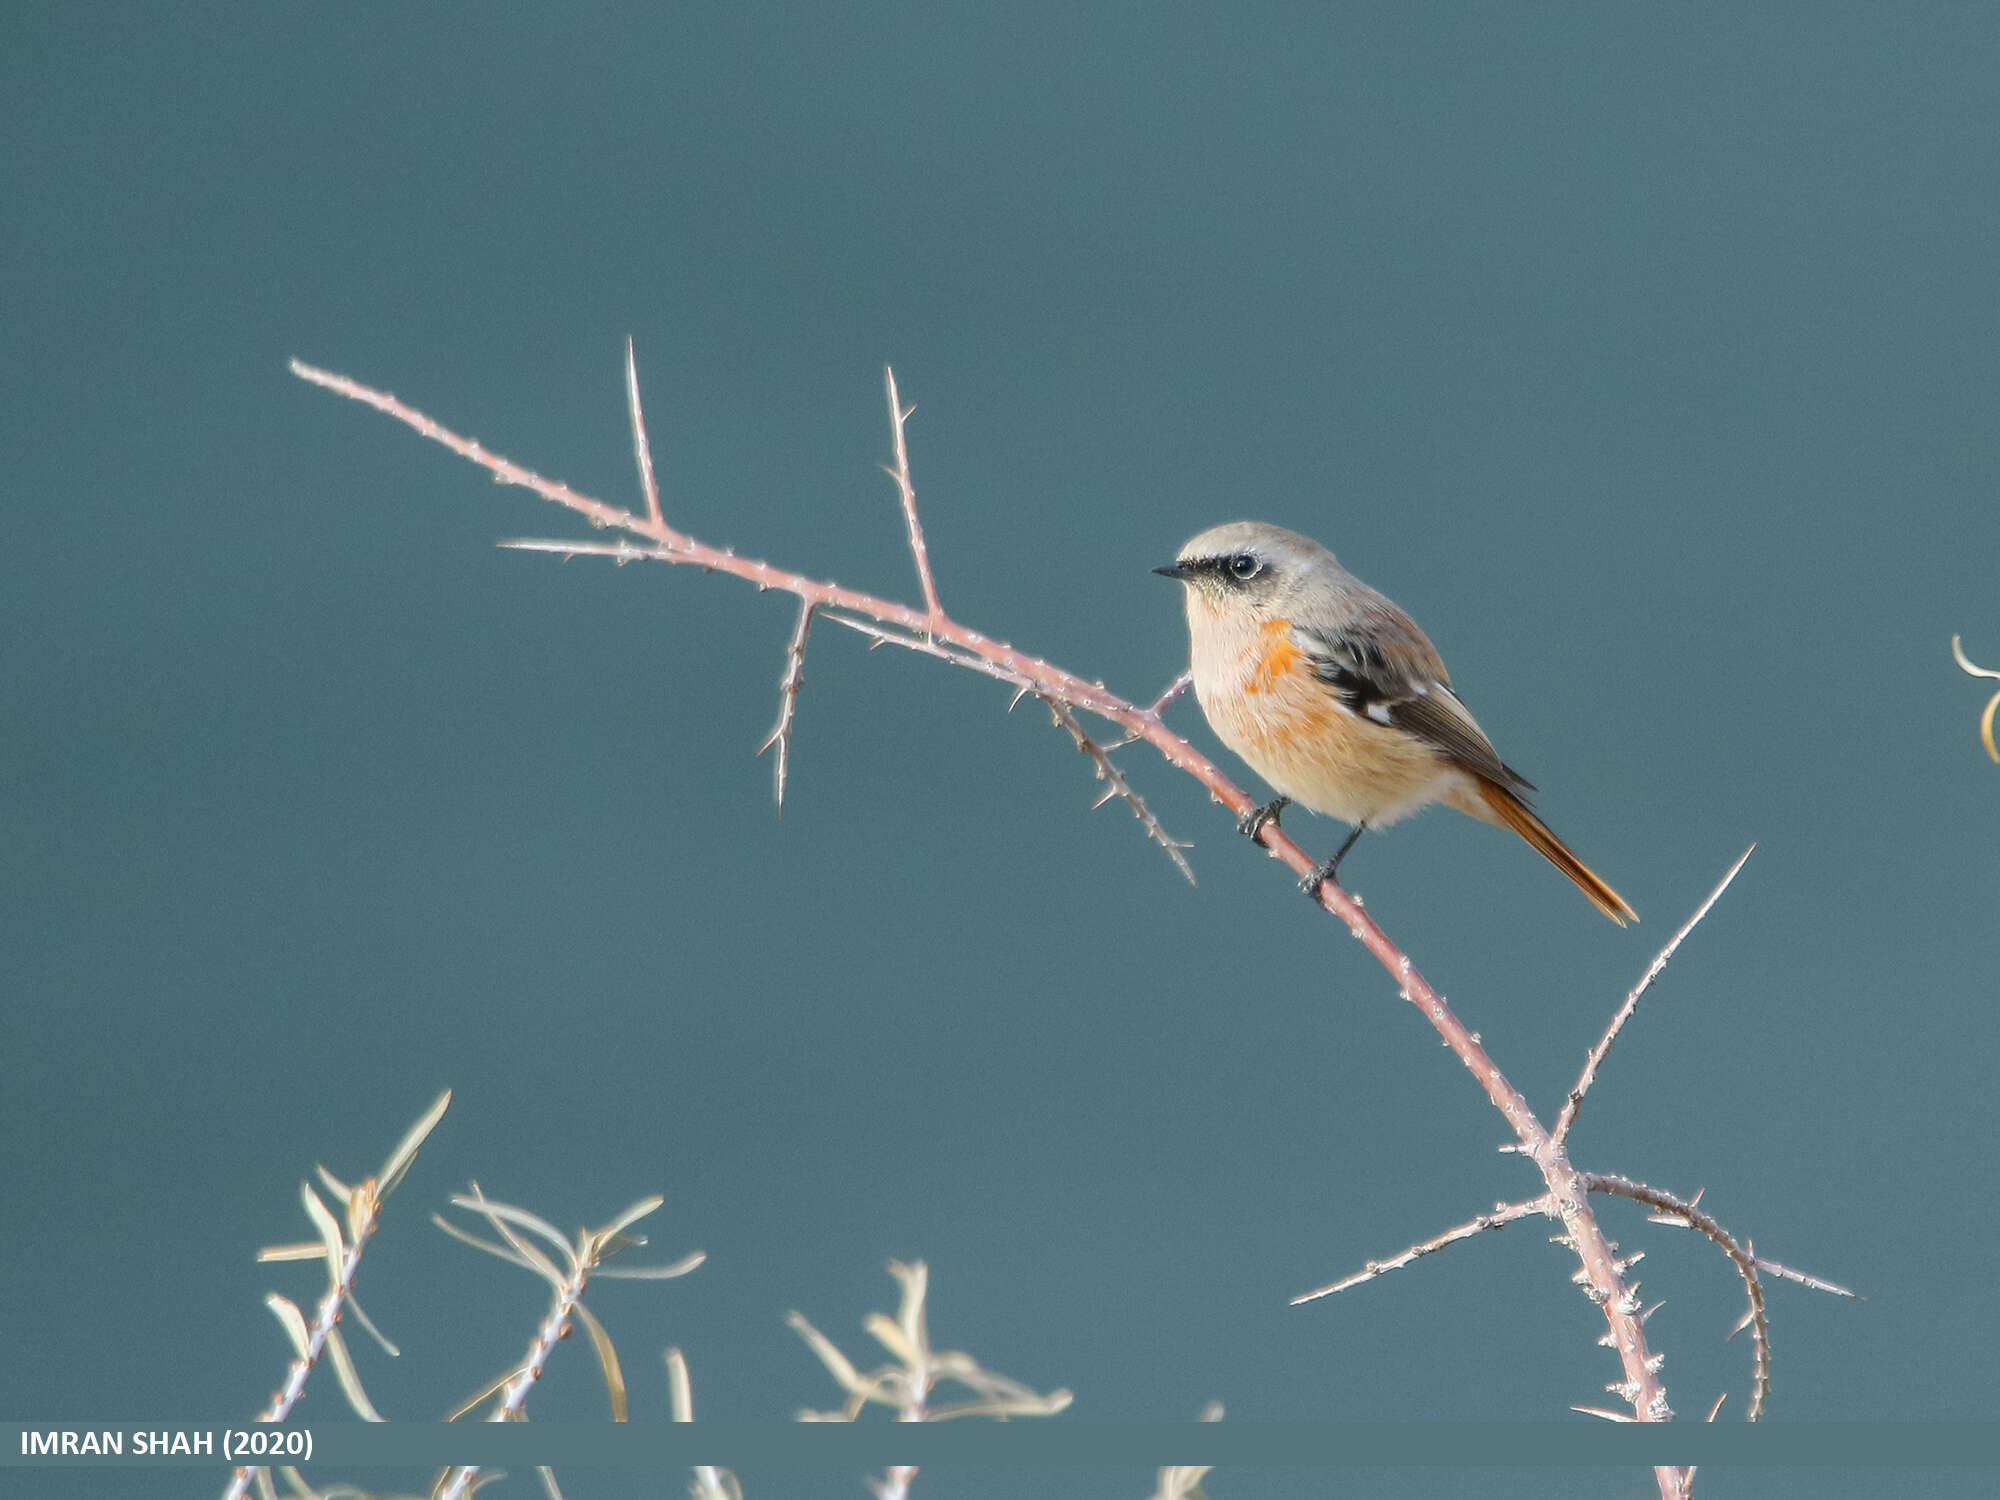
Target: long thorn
[{"x": 641, "y": 449}]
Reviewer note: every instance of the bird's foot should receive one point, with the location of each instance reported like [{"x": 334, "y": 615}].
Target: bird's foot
[
  {"x": 1253, "y": 823},
  {"x": 1321, "y": 874}
]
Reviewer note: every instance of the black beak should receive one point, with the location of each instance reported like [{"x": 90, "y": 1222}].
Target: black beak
[{"x": 1174, "y": 570}]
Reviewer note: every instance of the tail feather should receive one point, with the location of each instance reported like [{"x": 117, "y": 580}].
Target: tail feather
[{"x": 1510, "y": 811}]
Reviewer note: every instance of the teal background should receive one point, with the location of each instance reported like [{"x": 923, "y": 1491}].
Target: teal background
[{"x": 1650, "y": 357}]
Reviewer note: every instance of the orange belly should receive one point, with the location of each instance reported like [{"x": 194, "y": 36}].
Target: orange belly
[{"x": 1264, "y": 702}]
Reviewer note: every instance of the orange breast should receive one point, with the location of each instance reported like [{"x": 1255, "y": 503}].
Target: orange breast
[
  {"x": 1272, "y": 658},
  {"x": 1267, "y": 706}
]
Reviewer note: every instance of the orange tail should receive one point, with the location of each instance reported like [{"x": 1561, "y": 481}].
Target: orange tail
[{"x": 1513, "y": 813}]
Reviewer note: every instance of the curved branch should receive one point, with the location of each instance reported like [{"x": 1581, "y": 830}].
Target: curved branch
[{"x": 1683, "y": 1210}]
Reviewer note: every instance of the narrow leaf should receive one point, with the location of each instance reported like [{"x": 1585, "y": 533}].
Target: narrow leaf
[
  {"x": 657, "y": 1273},
  {"x": 292, "y": 1321},
  {"x": 836, "y": 1363},
  {"x": 350, "y": 1379},
  {"x": 298, "y": 1250},
  {"x": 329, "y": 1230},
  {"x": 492, "y": 1388},
  {"x": 680, "y": 1391},
  {"x": 631, "y": 1216},
  {"x": 607, "y": 1361},
  {"x": 373, "y": 1332},
  {"x": 340, "y": 1190},
  {"x": 399, "y": 1160},
  {"x": 500, "y": 1251}
]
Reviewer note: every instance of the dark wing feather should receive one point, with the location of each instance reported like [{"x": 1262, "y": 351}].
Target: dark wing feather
[{"x": 1382, "y": 667}]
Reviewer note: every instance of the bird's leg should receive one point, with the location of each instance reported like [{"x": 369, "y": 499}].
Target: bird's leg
[
  {"x": 1253, "y": 823},
  {"x": 1323, "y": 873}
]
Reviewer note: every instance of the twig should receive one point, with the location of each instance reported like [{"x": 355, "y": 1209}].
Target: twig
[
  {"x": 1597, "y": 1054},
  {"x": 1173, "y": 690},
  {"x": 881, "y": 636},
  {"x": 901, "y": 474},
  {"x": 1677, "y": 1210},
  {"x": 1502, "y": 1215},
  {"x": 1117, "y": 786},
  {"x": 788, "y": 696},
  {"x": 1810, "y": 1283}
]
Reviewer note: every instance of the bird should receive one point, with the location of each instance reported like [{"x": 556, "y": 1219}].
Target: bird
[{"x": 1331, "y": 694}]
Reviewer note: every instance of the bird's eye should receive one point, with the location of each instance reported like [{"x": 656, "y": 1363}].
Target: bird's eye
[{"x": 1244, "y": 567}]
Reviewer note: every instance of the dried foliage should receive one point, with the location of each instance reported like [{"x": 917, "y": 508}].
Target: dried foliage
[
  {"x": 567, "y": 1266},
  {"x": 521, "y": 1239},
  {"x": 908, "y": 1382},
  {"x": 338, "y": 1246}
]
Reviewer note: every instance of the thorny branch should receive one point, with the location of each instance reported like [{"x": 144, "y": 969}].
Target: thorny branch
[
  {"x": 1671, "y": 1209},
  {"x": 1595, "y": 1059},
  {"x": 931, "y": 630},
  {"x": 788, "y": 696},
  {"x": 1502, "y": 1215},
  {"x": 1116, "y": 785},
  {"x": 1683, "y": 1211},
  {"x": 899, "y": 417}
]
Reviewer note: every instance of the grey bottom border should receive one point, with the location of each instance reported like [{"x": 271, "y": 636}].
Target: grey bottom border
[{"x": 1552, "y": 1444}]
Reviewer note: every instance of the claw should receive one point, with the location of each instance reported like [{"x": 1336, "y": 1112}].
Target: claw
[
  {"x": 1253, "y": 823},
  {"x": 1321, "y": 874}
]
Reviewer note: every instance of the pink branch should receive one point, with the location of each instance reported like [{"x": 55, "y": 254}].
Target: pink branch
[
  {"x": 1117, "y": 786},
  {"x": 788, "y": 697},
  {"x": 1173, "y": 690},
  {"x": 1677, "y": 1210},
  {"x": 901, "y": 474},
  {"x": 1502, "y": 1215},
  {"x": 1597, "y": 1054}
]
